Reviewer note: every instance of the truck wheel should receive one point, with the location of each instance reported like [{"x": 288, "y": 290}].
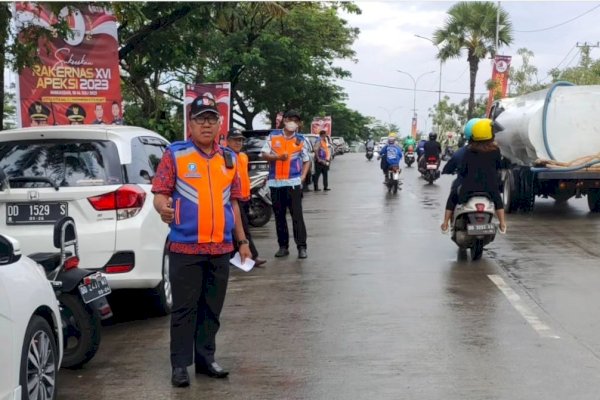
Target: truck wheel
[
  {"x": 509, "y": 192},
  {"x": 527, "y": 199},
  {"x": 593, "y": 198}
]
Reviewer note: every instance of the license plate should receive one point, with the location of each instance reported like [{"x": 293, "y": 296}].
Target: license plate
[
  {"x": 94, "y": 289},
  {"x": 395, "y": 176},
  {"x": 35, "y": 213},
  {"x": 483, "y": 229},
  {"x": 432, "y": 166}
]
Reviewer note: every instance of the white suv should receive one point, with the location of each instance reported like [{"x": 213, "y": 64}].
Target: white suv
[
  {"x": 31, "y": 341},
  {"x": 101, "y": 176}
]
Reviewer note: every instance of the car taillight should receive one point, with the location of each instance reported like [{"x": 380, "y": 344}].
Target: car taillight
[
  {"x": 480, "y": 207},
  {"x": 118, "y": 269},
  {"x": 71, "y": 263},
  {"x": 127, "y": 200}
]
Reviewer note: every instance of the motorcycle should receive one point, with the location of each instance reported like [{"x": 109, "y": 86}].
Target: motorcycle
[
  {"x": 472, "y": 226},
  {"x": 260, "y": 209},
  {"x": 448, "y": 153},
  {"x": 393, "y": 179},
  {"x": 432, "y": 169},
  {"x": 81, "y": 295},
  {"x": 409, "y": 158},
  {"x": 369, "y": 154}
]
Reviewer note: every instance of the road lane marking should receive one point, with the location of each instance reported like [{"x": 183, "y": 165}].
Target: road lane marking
[{"x": 515, "y": 300}]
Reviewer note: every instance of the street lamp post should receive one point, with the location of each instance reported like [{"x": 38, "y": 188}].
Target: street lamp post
[
  {"x": 389, "y": 113},
  {"x": 440, "y": 83},
  {"x": 415, "y": 81}
]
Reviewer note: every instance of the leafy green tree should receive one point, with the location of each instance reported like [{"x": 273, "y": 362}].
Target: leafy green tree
[
  {"x": 586, "y": 73},
  {"x": 471, "y": 26},
  {"x": 280, "y": 62},
  {"x": 524, "y": 79},
  {"x": 453, "y": 116}
]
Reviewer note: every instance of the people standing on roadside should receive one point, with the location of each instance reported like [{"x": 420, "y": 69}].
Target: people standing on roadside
[
  {"x": 235, "y": 141},
  {"x": 197, "y": 189},
  {"x": 322, "y": 161},
  {"x": 289, "y": 165}
]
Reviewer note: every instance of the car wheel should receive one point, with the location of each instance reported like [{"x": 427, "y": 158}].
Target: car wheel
[
  {"x": 163, "y": 292},
  {"x": 39, "y": 361}
]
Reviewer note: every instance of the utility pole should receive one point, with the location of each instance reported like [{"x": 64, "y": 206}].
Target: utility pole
[{"x": 585, "y": 51}]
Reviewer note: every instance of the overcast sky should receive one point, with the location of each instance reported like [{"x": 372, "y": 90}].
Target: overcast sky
[{"x": 387, "y": 43}]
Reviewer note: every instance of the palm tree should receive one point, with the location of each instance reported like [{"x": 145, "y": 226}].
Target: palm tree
[{"x": 471, "y": 26}]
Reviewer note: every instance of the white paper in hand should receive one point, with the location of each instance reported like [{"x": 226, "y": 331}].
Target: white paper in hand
[{"x": 237, "y": 261}]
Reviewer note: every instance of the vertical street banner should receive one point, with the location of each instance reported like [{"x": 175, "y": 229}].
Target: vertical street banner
[
  {"x": 321, "y": 124},
  {"x": 413, "y": 127},
  {"x": 220, "y": 92},
  {"x": 77, "y": 78},
  {"x": 500, "y": 73}
]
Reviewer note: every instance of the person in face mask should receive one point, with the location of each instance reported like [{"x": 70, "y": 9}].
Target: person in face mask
[{"x": 289, "y": 166}]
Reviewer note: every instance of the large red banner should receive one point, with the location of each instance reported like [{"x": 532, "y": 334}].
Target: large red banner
[
  {"x": 500, "y": 72},
  {"x": 77, "y": 80},
  {"x": 220, "y": 92},
  {"x": 321, "y": 124}
]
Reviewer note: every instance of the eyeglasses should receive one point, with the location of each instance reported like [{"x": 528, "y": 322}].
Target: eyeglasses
[{"x": 211, "y": 119}]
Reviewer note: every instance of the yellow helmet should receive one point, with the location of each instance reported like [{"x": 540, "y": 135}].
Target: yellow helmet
[{"x": 482, "y": 130}]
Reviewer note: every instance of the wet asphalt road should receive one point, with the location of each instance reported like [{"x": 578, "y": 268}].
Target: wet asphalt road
[{"x": 383, "y": 309}]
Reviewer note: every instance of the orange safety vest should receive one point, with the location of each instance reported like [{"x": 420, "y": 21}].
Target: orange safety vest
[
  {"x": 242, "y": 168},
  {"x": 203, "y": 211},
  {"x": 324, "y": 150},
  {"x": 292, "y": 167}
]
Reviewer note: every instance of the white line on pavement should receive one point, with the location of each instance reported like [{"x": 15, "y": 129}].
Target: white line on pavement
[{"x": 515, "y": 300}]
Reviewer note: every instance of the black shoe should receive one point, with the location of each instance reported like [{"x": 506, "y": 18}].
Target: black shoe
[
  {"x": 302, "y": 253},
  {"x": 317, "y": 190},
  {"x": 213, "y": 370},
  {"x": 327, "y": 189},
  {"x": 180, "y": 377},
  {"x": 282, "y": 252}
]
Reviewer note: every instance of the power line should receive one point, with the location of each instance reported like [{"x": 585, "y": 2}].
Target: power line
[
  {"x": 562, "y": 23},
  {"x": 573, "y": 59},
  {"x": 408, "y": 89},
  {"x": 564, "y": 59}
]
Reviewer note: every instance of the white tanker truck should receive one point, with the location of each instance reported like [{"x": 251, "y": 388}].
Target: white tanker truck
[{"x": 550, "y": 145}]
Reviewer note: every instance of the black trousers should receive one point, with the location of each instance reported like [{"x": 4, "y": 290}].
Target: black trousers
[
  {"x": 244, "y": 211},
  {"x": 199, "y": 284},
  {"x": 289, "y": 198},
  {"x": 321, "y": 169}
]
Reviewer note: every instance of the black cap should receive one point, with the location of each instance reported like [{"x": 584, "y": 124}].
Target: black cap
[
  {"x": 38, "y": 111},
  {"x": 203, "y": 104},
  {"x": 234, "y": 134},
  {"x": 75, "y": 113},
  {"x": 292, "y": 114}
]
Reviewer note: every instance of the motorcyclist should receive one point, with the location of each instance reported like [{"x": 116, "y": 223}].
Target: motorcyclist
[
  {"x": 479, "y": 171},
  {"x": 421, "y": 148},
  {"x": 431, "y": 148},
  {"x": 408, "y": 142},
  {"x": 391, "y": 155},
  {"x": 370, "y": 144},
  {"x": 453, "y": 165}
]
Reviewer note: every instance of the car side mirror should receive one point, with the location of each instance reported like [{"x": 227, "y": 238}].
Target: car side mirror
[
  {"x": 144, "y": 174},
  {"x": 10, "y": 250}
]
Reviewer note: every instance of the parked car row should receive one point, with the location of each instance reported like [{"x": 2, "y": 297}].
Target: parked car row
[{"x": 99, "y": 176}]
